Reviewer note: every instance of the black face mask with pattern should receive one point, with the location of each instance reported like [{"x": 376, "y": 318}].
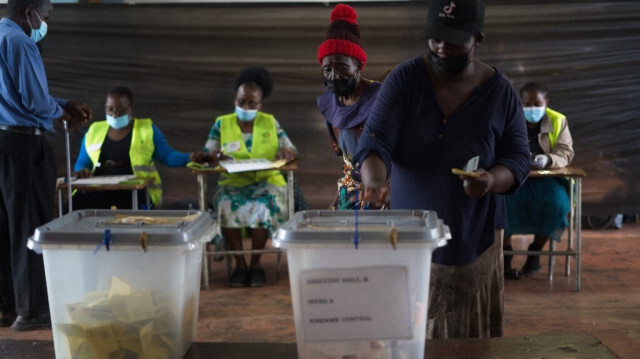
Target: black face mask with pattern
[
  {"x": 341, "y": 87},
  {"x": 448, "y": 66}
]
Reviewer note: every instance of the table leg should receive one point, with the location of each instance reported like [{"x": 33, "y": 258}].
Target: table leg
[
  {"x": 134, "y": 199},
  {"x": 59, "y": 202},
  {"x": 572, "y": 225},
  {"x": 552, "y": 248},
  {"x": 290, "y": 195},
  {"x": 578, "y": 229},
  {"x": 202, "y": 189}
]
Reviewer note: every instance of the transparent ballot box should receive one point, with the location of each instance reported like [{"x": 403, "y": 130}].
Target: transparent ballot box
[
  {"x": 122, "y": 283},
  {"x": 359, "y": 286}
]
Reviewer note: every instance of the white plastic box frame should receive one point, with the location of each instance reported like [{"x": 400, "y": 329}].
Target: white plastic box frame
[
  {"x": 369, "y": 302},
  {"x": 158, "y": 315}
]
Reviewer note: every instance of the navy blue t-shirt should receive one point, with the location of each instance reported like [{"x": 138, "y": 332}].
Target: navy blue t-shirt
[{"x": 408, "y": 129}]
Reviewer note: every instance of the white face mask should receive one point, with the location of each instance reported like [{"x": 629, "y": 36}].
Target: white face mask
[{"x": 38, "y": 34}]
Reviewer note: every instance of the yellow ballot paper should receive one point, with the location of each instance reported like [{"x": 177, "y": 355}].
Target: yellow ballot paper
[{"x": 468, "y": 169}]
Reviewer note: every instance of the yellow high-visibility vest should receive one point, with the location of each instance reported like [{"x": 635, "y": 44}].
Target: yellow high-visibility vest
[
  {"x": 140, "y": 152},
  {"x": 556, "y": 119},
  {"x": 264, "y": 145}
]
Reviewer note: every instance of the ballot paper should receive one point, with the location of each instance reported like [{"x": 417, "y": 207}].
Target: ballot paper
[
  {"x": 234, "y": 166},
  {"x": 123, "y": 322},
  {"x": 104, "y": 180}
]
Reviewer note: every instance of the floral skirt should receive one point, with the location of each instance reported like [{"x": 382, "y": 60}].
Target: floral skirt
[{"x": 257, "y": 205}]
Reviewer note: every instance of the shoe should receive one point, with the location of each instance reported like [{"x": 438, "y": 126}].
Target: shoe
[
  {"x": 258, "y": 278},
  {"x": 532, "y": 265},
  {"x": 24, "y": 323},
  {"x": 7, "y": 317},
  {"x": 511, "y": 274},
  {"x": 239, "y": 277}
]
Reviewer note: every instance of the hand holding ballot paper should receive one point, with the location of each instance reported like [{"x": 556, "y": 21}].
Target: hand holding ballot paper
[
  {"x": 476, "y": 182},
  {"x": 468, "y": 169}
]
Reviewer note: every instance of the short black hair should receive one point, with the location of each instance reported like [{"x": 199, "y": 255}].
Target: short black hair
[
  {"x": 122, "y": 90},
  {"x": 534, "y": 86},
  {"x": 16, "y": 6},
  {"x": 258, "y": 75}
]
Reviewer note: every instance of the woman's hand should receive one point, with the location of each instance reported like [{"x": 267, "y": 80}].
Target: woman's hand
[
  {"x": 377, "y": 189},
  {"x": 83, "y": 173},
  {"x": 285, "y": 154},
  {"x": 205, "y": 157},
  {"x": 477, "y": 187}
]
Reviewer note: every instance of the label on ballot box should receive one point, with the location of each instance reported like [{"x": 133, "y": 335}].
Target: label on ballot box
[{"x": 355, "y": 304}]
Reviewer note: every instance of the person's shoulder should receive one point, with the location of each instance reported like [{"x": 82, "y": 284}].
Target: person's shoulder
[
  {"x": 406, "y": 70},
  {"x": 222, "y": 117}
]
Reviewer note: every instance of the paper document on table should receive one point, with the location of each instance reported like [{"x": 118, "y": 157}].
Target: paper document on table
[
  {"x": 105, "y": 180},
  {"x": 251, "y": 165}
]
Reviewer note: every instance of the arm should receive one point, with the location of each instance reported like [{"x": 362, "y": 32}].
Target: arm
[
  {"x": 512, "y": 157},
  {"x": 562, "y": 152},
  {"x": 378, "y": 140},
  {"x": 30, "y": 78},
  {"x": 286, "y": 150},
  {"x": 83, "y": 165},
  {"x": 165, "y": 154}
]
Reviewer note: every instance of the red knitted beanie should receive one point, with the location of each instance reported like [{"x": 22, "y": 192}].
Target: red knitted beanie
[{"x": 343, "y": 36}]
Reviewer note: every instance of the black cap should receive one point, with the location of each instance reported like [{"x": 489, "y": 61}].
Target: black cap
[{"x": 454, "y": 21}]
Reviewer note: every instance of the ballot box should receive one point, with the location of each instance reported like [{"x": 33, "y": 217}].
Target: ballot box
[
  {"x": 360, "y": 281},
  {"x": 123, "y": 283}
]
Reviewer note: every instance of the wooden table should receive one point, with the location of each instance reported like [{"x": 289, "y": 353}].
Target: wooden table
[
  {"x": 575, "y": 176},
  {"x": 289, "y": 168},
  {"x": 142, "y": 184},
  {"x": 578, "y": 346}
]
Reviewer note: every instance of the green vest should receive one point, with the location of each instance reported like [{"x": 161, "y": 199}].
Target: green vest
[
  {"x": 264, "y": 145},
  {"x": 557, "y": 120},
  {"x": 140, "y": 152}
]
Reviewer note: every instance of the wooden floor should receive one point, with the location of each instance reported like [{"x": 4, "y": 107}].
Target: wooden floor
[{"x": 607, "y": 308}]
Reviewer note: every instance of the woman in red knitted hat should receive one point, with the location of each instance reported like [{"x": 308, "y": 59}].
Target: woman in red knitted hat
[{"x": 349, "y": 96}]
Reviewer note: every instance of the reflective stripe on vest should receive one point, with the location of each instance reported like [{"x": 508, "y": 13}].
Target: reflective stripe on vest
[
  {"x": 264, "y": 145},
  {"x": 557, "y": 120},
  {"x": 140, "y": 152}
]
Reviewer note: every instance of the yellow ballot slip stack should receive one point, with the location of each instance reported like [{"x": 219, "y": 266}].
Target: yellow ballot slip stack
[
  {"x": 123, "y": 323},
  {"x": 124, "y": 284}
]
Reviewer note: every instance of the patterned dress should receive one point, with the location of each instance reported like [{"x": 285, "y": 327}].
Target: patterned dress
[
  {"x": 259, "y": 204},
  {"x": 344, "y": 125}
]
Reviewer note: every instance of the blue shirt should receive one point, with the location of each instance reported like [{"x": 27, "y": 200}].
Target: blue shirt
[
  {"x": 408, "y": 129},
  {"x": 162, "y": 153},
  {"x": 24, "y": 92}
]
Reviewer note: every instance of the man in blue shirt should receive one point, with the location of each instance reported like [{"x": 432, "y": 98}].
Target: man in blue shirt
[
  {"x": 434, "y": 113},
  {"x": 27, "y": 163}
]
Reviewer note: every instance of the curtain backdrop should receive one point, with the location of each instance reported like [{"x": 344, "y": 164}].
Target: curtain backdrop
[{"x": 181, "y": 61}]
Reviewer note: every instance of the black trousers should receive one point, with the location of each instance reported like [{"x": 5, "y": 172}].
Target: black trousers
[{"x": 27, "y": 193}]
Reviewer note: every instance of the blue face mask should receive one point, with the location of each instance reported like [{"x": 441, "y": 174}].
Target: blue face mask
[
  {"x": 533, "y": 114},
  {"x": 118, "y": 122},
  {"x": 246, "y": 115},
  {"x": 38, "y": 34}
]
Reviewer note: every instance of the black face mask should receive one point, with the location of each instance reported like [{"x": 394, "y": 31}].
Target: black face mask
[
  {"x": 341, "y": 87},
  {"x": 448, "y": 66}
]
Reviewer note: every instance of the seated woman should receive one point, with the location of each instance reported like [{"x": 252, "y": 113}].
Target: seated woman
[
  {"x": 121, "y": 145},
  {"x": 541, "y": 205},
  {"x": 254, "y": 200}
]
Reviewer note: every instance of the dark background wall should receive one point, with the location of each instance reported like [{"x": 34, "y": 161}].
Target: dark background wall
[{"x": 181, "y": 62}]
